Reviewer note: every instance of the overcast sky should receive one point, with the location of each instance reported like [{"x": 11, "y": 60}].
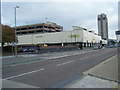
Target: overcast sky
[{"x": 66, "y": 14}]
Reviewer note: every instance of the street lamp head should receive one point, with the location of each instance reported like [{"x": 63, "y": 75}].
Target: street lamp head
[{"x": 17, "y": 7}]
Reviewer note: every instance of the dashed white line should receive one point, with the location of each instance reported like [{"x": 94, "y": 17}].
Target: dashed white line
[
  {"x": 24, "y": 74},
  {"x": 85, "y": 57},
  {"x": 64, "y": 63}
]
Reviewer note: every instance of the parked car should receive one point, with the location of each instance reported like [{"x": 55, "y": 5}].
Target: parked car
[
  {"x": 31, "y": 49},
  {"x": 95, "y": 48},
  {"x": 111, "y": 46},
  {"x": 20, "y": 50},
  {"x": 25, "y": 49}
]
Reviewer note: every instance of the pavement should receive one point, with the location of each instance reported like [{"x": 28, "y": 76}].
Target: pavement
[
  {"x": 55, "y": 73},
  {"x": 13, "y": 84},
  {"x": 104, "y": 75}
]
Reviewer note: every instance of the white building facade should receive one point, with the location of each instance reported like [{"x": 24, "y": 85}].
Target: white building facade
[{"x": 77, "y": 35}]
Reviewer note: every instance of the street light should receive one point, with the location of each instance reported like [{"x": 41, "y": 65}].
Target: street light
[
  {"x": 15, "y": 31},
  {"x": 46, "y": 19}
]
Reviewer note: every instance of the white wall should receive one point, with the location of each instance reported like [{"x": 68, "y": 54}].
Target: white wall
[
  {"x": 25, "y": 39},
  {"x": 59, "y": 37},
  {"x": 91, "y": 37}
]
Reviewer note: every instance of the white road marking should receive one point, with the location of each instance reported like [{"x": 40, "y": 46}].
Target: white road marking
[
  {"x": 85, "y": 57},
  {"x": 64, "y": 63},
  {"x": 24, "y": 74},
  {"x": 59, "y": 57}
]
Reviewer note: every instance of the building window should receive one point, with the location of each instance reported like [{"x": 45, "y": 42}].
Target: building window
[
  {"x": 98, "y": 19},
  {"x": 31, "y": 27},
  {"x": 39, "y": 26},
  {"x": 31, "y": 32},
  {"x": 17, "y": 29},
  {"x": 45, "y": 27},
  {"x": 104, "y": 18},
  {"x": 23, "y": 28},
  {"x": 23, "y": 32},
  {"x": 18, "y": 33}
]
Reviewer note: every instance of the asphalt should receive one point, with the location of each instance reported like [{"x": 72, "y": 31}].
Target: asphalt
[
  {"x": 26, "y": 58},
  {"x": 56, "y": 73},
  {"x": 107, "y": 70}
]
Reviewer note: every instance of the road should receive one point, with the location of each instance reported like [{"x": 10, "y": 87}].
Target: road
[
  {"x": 56, "y": 73},
  {"x": 25, "y": 58}
]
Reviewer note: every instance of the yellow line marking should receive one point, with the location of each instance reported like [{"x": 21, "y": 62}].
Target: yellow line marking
[{"x": 114, "y": 85}]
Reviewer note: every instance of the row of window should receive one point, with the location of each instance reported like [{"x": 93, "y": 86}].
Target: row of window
[
  {"x": 104, "y": 18},
  {"x": 39, "y": 31}
]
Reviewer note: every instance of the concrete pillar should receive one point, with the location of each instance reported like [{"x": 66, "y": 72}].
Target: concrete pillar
[
  {"x": 86, "y": 44},
  {"x": 82, "y": 44},
  {"x": 62, "y": 44}
]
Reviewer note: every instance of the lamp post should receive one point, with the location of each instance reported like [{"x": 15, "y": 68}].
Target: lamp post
[
  {"x": 46, "y": 19},
  {"x": 15, "y": 31}
]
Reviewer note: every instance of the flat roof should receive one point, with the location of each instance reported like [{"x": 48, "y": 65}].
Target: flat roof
[{"x": 41, "y": 24}]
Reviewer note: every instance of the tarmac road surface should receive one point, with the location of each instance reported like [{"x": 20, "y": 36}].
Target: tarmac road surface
[{"x": 56, "y": 73}]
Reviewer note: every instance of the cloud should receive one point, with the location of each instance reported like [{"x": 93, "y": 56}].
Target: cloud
[
  {"x": 113, "y": 21},
  {"x": 5, "y": 21},
  {"x": 68, "y": 14}
]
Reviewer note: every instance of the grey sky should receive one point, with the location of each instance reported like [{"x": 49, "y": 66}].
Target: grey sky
[{"x": 66, "y": 14}]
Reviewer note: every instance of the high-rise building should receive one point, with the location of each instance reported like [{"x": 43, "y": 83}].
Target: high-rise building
[
  {"x": 103, "y": 26},
  {"x": 118, "y": 36}
]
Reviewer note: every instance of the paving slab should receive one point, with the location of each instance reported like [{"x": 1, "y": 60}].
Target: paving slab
[
  {"x": 92, "y": 82},
  {"x": 106, "y": 70},
  {"x": 13, "y": 84}
]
